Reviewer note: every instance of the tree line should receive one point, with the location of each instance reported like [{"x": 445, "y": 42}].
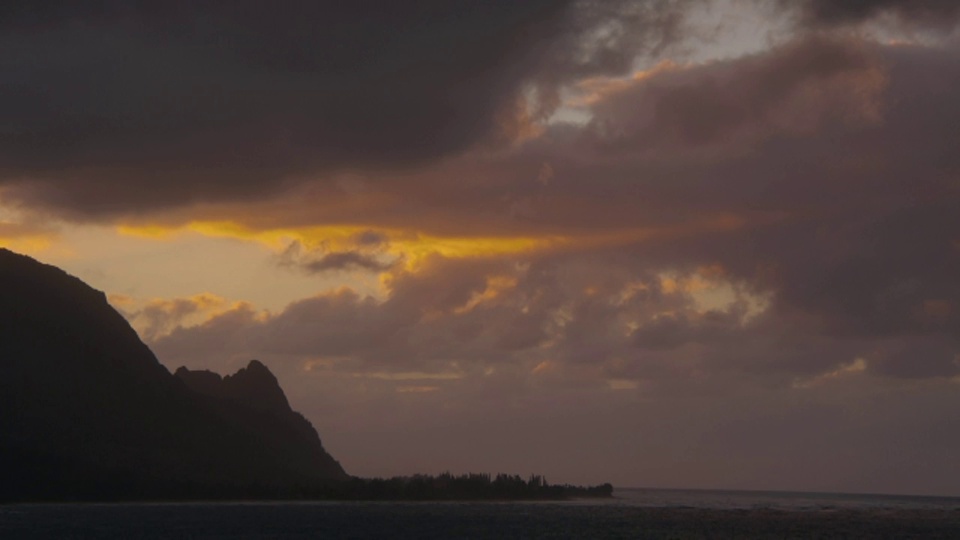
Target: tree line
[{"x": 470, "y": 486}]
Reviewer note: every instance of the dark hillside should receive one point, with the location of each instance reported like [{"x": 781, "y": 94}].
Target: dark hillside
[{"x": 87, "y": 411}]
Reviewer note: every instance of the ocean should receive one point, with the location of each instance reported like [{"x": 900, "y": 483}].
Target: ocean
[{"x": 632, "y": 513}]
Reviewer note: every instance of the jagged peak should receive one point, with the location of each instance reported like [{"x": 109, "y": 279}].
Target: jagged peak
[
  {"x": 257, "y": 384},
  {"x": 184, "y": 371},
  {"x": 257, "y": 367},
  {"x": 254, "y": 385}
]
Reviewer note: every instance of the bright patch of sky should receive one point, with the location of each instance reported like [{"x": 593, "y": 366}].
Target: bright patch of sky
[
  {"x": 721, "y": 30},
  {"x": 187, "y": 264}
]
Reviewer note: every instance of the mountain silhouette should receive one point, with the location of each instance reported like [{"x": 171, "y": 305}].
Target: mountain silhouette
[{"x": 88, "y": 413}]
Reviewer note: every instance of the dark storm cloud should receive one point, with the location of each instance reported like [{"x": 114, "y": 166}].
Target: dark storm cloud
[
  {"x": 115, "y": 106},
  {"x": 936, "y": 13}
]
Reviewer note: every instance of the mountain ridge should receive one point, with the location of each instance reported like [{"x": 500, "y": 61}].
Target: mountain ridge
[{"x": 88, "y": 412}]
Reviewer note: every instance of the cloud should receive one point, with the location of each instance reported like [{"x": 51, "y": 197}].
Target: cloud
[
  {"x": 821, "y": 222},
  {"x": 23, "y": 231},
  {"x": 789, "y": 91},
  {"x": 848, "y": 224},
  {"x": 555, "y": 323},
  {"x": 919, "y": 357},
  {"x": 929, "y": 13},
  {"x": 13, "y": 231},
  {"x": 843, "y": 225},
  {"x": 670, "y": 330},
  {"x": 159, "y": 317},
  {"x": 644, "y": 133},
  {"x": 369, "y": 255},
  {"x": 345, "y": 260},
  {"x": 472, "y": 316},
  {"x": 370, "y": 239},
  {"x": 129, "y": 106}
]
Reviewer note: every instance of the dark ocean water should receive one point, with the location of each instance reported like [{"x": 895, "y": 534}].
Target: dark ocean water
[{"x": 632, "y": 514}]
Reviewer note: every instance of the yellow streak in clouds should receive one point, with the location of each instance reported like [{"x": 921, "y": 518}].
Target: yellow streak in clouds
[{"x": 413, "y": 246}]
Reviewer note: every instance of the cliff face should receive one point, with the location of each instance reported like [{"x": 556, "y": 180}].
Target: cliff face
[{"x": 87, "y": 411}]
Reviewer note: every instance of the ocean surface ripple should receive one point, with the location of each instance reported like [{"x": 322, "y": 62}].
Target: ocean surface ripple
[{"x": 641, "y": 513}]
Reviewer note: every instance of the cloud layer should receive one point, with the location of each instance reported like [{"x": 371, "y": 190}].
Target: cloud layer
[
  {"x": 938, "y": 13},
  {"x": 710, "y": 269},
  {"x": 121, "y": 106}
]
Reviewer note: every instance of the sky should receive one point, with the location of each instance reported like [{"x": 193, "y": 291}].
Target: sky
[{"x": 657, "y": 243}]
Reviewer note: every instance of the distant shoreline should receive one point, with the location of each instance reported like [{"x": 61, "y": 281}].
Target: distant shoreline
[{"x": 471, "y": 487}]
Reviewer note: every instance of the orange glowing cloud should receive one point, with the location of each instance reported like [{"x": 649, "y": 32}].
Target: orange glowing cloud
[{"x": 413, "y": 246}]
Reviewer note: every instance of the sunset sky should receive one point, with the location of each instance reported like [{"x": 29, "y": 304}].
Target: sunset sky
[{"x": 704, "y": 243}]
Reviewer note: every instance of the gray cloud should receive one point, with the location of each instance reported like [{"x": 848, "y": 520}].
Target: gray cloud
[
  {"x": 936, "y": 13},
  {"x": 116, "y": 107},
  {"x": 346, "y": 260},
  {"x": 800, "y": 87},
  {"x": 368, "y": 256},
  {"x": 371, "y": 239},
  {"x": 919, "y": 357}
]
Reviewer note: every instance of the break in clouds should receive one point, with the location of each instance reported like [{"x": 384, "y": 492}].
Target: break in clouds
[{"x": 720, "y": 266}]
